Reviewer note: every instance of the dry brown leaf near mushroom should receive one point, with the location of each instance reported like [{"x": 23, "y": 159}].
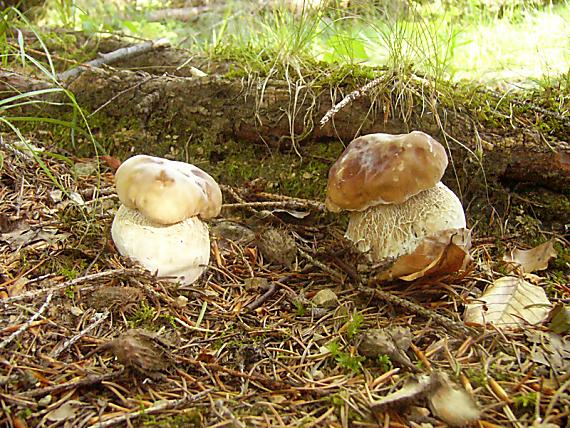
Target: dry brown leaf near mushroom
[
  {"x": 398, "y": 206},
  {"x": 509, "y": 303},
  {"x": 536, "y": 258}
]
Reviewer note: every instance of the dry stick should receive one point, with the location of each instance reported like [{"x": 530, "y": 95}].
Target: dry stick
[
  {"x": 158, "y": 407},
  {"x": 442, "y": 320},
  {"x": 390, "y": 298},
  {"x": 321, "y": 265},
  {"x": 110, "y": 57},
  {"x": 300, "y": 201},
  {"x": 28, "y": 323},
  {"x": 86, "y": 381},
  {"x": 272, "y": 384},
  {"x": 263, "y": 298},
  {"x": 71, "y": 283},
  {"x": 348, "y": 99},
  {"x": 59, "y": 349},
  {"x": 269, "y": 204}
]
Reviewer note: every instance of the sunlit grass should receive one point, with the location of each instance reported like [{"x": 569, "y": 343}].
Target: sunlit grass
[{"x": 473, "y": 42}]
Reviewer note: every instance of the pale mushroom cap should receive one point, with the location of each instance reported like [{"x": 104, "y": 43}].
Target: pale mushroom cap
[
  {"x": 384, "y": 169},
  {"x": 181, "y": 250},
  {"x": 386, "y": 231},
  {"x": 166, "y": 191}
]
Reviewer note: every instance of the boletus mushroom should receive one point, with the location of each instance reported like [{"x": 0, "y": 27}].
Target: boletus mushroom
[
  {"x": 159, "y": 222},
  {"x": 391, "y": 186}
]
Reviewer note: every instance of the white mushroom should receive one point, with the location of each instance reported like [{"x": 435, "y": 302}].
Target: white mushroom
[
  {"x": 158, "y": 223},
  {"x": 392, "y": 183}
]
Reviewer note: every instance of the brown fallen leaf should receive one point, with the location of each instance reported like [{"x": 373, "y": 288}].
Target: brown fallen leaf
[
  {"x": 391, "y": 341},
  {"x": 509, "y": 302},
  {"x": 439, "y": 254},
  {"x": 111, "y": 162},
  {"x": 451, "y": 404},
  {"x": 412, "y": 391},
  {"x": 536, "y": 258}
]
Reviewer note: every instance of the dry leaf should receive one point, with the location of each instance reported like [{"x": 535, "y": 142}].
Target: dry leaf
[
  {"x": 24, "y": 235},
  {"x": 509, "y": 302},
  {"x": 534, "y": 259},
  {"x": 439, "y": 254},
  {"x": 560, "y": 319},
  {"x": 413, "y": 390},
  {"x": 111, "y": 162},
  {"x": 65, "y": 411},
  {"x": 293, "y": 213},
  {"x": 549, "y": 349},
  {"x": 17, "y": 287},
  {"x": 452, "y": 405},
  {"x": 391, "y": 341}
]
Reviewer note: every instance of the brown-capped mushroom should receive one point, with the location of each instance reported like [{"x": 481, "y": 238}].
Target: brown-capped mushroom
[{"x": 391, "y": 184}]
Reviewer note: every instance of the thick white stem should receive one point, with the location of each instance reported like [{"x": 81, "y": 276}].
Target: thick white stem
[{"x": 392, "y": 230}]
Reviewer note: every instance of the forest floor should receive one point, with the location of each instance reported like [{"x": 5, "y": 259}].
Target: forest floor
[
  {"x": 88, "y": 339},
  {"x": 289, "y": 325}
]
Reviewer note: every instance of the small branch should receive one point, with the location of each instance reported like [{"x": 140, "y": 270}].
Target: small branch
[
  {"x": 416, "y": 309},
  {"x": 160, "y": 406},
  {"x": 70, "y": 283},
  {"x": 86, "y": 381},
  {"x": 263, "y": 298},
  {"x": 26, "y": 325},
  {"x": 111, "y": 57},
  {"x": 339, "y": 276},
  {"x": 99, "y": 318},
  {"x": 350, "y": 98},
  {"x": 275, "y": 204}
]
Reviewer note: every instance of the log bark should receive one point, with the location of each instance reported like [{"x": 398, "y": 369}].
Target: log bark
[{"x": 284, "y": 114}]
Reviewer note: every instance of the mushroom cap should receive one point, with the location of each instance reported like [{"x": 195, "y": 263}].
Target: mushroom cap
[
  {"x": 385, "y": 231},
  {"x": 384, "y": 169},
  {"x": 167, "y": 191},
  {"x": 180, "y": 250}
]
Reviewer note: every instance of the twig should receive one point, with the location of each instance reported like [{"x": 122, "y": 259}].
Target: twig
[
  {"x": 158, "y": 407},
  {"x": 114, "y": 97},
  {"x": 415, "y": 308},
  {"x": 263, "y": 298},
  {"x": 86, "y": 381},
  {"x": 274, "y": 204},
  {"x": 110, "y": 57},
  {"x": 350, "y": 98},
  {"x": 27, "y": 324},
  {"x": 71, "y": 283},
  {"x": 321, "y": 265},
  {"x": 99, "y": 319}
]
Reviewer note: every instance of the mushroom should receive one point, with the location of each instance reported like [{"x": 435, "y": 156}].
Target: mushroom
[
  {"x": 391, "y": 184},
  {"x": 158, "y": 223}
]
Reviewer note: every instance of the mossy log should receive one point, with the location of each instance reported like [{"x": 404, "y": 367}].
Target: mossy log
[{"x": 284, "y": 114}]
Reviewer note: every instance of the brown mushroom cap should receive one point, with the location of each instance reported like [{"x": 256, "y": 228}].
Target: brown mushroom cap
[
  {"x": 165, "y": 191},
  {"x": 384, "y": 169}
]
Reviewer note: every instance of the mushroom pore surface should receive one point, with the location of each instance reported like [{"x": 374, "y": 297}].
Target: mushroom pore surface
[
  {"x": 384, "y": 169},
  {"x": 386, "y": 231},
  {"x": 166, "y": 191}
]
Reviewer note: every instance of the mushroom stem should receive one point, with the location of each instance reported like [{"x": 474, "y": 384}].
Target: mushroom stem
[
  {"x": 386, "y": 231},
  {"x": 180, "y": 250}
]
